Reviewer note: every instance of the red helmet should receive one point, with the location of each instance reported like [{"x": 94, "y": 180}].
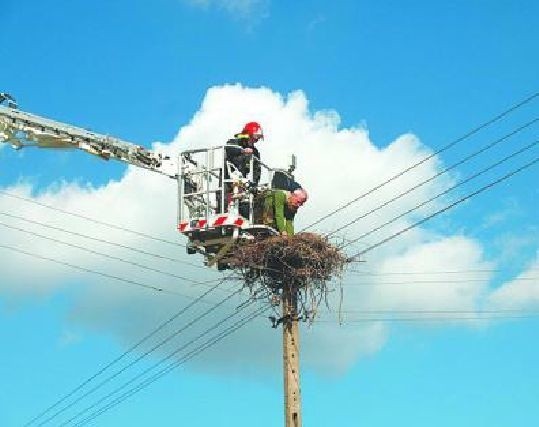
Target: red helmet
[{"x": 254, "y": 130}]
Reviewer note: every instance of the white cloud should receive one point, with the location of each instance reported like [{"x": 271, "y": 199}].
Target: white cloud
[
  {"x": 511, "y": 244},
  {"x": 520, "y": 293},
  {"x": 509, "y": 210},
  {"x": 252, "y": 10},
  {"x": 335, "y": 165},
  {"x": 413, "y": 292},
  {"x": 315, "y": 22}
]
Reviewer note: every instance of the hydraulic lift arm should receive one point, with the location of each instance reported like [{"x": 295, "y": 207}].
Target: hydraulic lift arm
[
  {"x": 211, "y": 197},
  {"x": 21, "y": 129}
]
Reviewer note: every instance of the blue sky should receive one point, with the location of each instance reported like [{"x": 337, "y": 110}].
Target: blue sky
[{"x": 385, "y": 82}]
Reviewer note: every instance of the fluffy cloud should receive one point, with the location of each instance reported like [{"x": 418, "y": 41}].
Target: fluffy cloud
[
  {"x": 454, "y": 253},
  {"x": 521, "y": 293},
  {"x": 335, "y": 165},
  {"x": 252, "y": 10}
]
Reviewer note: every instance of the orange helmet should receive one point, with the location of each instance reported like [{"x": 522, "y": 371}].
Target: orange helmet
[{"x": 254, "y": 130}]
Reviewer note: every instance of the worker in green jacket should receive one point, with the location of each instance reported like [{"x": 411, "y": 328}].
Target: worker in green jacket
[{"x": 280, "y": 208}]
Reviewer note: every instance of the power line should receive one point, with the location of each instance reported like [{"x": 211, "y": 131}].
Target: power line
[
  {"x": 87, "y": 218},
  {"x": 96, "y": 239},
  {"x": 208, "y": 343},
  {"x": 88, "y": 270},
  {"x": 140, "y": 357},
  {"x": 458, "y": 184},
  {"x": 395, "y": 273},
  {"x": 433, "y": 177},
  {"x": 113, "y": 257},
  {"x": 446, "y": 208},
  {"x": 104, "y": 275},
  {"x": 440, "y": 311},
  {"x": 420, "y": 282},
  {"x": 427, "y": 158},
  {"x": 124, "y": 354},
  {"x": 430, "y": 319},
  {"x": 98, "y": 273}
]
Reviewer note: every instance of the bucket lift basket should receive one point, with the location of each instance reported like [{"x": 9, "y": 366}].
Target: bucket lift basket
[{"x": 218, "y": 206}]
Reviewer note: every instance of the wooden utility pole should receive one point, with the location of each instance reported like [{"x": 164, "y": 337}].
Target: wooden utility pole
[{"x": 292, "y": 391}]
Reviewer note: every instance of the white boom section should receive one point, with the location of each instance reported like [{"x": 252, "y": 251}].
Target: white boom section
[{"x": 20, "y": 129}]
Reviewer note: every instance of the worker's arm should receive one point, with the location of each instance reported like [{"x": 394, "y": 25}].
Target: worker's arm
[
  {"x": 235, "y": 154},
  {"x": 236, "y": 147},
  {"x": 289, "y": 227},
  {"x": 233, "y": 150},
  {"x": 279, "y": 200}
]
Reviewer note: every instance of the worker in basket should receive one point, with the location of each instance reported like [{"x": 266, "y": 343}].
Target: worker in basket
[
  {"x": 239, "y": 152},
  {"x": 240, "y": 149},
  {"x": 281, "y": 206}
]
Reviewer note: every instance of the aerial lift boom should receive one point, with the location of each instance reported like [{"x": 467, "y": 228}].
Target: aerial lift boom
[
  {"x": 217, "y": 205},
  {"x": 21, "y": 129}
]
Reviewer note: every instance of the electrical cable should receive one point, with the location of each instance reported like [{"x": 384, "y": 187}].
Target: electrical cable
[
  {"x": 88, "y": 270},
  {"x": 95, "y": 221},
  {"x": 433, "y": 177},
  {"x": 442, "y": 193},
  {"x": 392, "y": 311},
  {"x": 209, "y": 343},
  {"x": 140, "y": 357},
  {"x": 162, "y": 257},
  {"x": 421, "y": 282},
  {"x": 430, "y": 319},
  {"x": 427, "y": 158},
  {"x": 446, "y": 208},
  {"x": 96, "y": 239},
  {"x": 98, "y": 273},
  {"x": 112, "y": 257},
  {"x": 169, "y": 367},
  {"x": 395, "y": 273},
  {"x": 124, "y": 354}
]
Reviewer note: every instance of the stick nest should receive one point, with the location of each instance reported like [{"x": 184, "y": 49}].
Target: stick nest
[{"x": 306, "y": 262}]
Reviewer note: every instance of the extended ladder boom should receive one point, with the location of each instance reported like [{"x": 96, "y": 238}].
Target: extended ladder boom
[
  {"x": 20, "y": 129},
  {"x": 220, "y": 203}
]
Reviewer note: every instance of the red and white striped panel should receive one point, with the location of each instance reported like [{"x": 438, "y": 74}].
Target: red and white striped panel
[{"x": 217, "y": 221}]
